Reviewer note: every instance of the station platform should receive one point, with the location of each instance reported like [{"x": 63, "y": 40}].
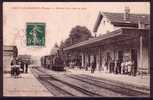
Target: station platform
[
  {"x": 24, "y": 85},
  {"x": 136, "y": 81},
  {"x": 126, "y": 80}
]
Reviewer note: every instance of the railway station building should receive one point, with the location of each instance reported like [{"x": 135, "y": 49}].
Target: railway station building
[{"x": 118, "y": 36}]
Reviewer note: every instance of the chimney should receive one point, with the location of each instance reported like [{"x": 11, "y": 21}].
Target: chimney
[{"x": 126, "y": 13}]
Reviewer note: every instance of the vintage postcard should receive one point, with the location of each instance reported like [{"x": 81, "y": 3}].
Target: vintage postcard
[{"x": 75, "y": 49}]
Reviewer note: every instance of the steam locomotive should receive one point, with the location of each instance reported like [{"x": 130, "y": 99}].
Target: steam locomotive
[{"x": 53, "y": 62}]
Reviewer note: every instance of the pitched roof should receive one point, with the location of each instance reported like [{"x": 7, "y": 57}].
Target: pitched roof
[
  {"x": 133, "y": 18},
  {"x": 119, "y": 18}
]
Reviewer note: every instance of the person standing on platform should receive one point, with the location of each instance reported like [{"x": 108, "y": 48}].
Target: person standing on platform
[
  {"x": 112, "y": 65},
  {"x": 129, "y": 65},
  {"x": 119, "y": 66},
  {"x": 123, "y": 67},
  {"x": 134, "y": 68},
  {"x": 107, "y": 62},
  {"x": 26, "y": 64},
  {"x": 22, "y": 66},
  {"x": 93, "y": 67}
]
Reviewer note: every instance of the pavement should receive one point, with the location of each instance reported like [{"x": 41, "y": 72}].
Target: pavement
[
  {"x": 24, "y": 85},
  {"x": 126, "y": 79}
]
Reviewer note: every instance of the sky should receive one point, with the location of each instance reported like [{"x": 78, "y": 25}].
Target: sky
[{"x": 60, "y": 18}]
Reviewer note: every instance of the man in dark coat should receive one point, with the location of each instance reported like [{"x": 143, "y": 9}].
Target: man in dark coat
[
  {"x": 26, "y": 64},
  {"x": 93, "y": 66},
  {"x": 119, "y": 66},
  {"x": 112, "y": 65},
  {"x": 134, "y": 68}
]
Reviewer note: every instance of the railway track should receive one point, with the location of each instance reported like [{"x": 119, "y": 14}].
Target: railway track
[
  {"x": 59, "y": 88},
  {"x": 86, "y": 88},
  {"x": 110, "y": 85},
  {"x": 52, "y": 88},
  {"x": 85, "y": 92},
  {"x": 82, "y": 85}
]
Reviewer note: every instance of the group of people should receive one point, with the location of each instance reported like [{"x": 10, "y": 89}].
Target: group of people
[
  {"x": 24, "y": 66},
  {"x": 75, "y": 63},
  {"x": 122, "y": 67},
  {"x": 17, "y": 65},
  {"x": 128, "y": 67}
]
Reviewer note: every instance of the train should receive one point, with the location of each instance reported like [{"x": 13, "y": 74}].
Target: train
[{"x": 53, "y": 62}]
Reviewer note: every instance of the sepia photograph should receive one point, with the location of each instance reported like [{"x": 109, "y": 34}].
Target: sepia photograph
[{"x": 76, "y": 49}]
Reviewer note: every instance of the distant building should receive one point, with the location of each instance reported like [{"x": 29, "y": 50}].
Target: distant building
[
  {"x": 9, "y": 52},
  {"x": 120, "y": 36},
  {"x": 25, "y": 58}
]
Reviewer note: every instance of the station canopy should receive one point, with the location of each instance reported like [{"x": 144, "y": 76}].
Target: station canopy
[{"x": 112, "y": 37}]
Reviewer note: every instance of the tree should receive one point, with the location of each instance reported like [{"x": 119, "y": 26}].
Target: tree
[
  {"x": 79, "y": 34},
  {"x": 67, "y": 43}
]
